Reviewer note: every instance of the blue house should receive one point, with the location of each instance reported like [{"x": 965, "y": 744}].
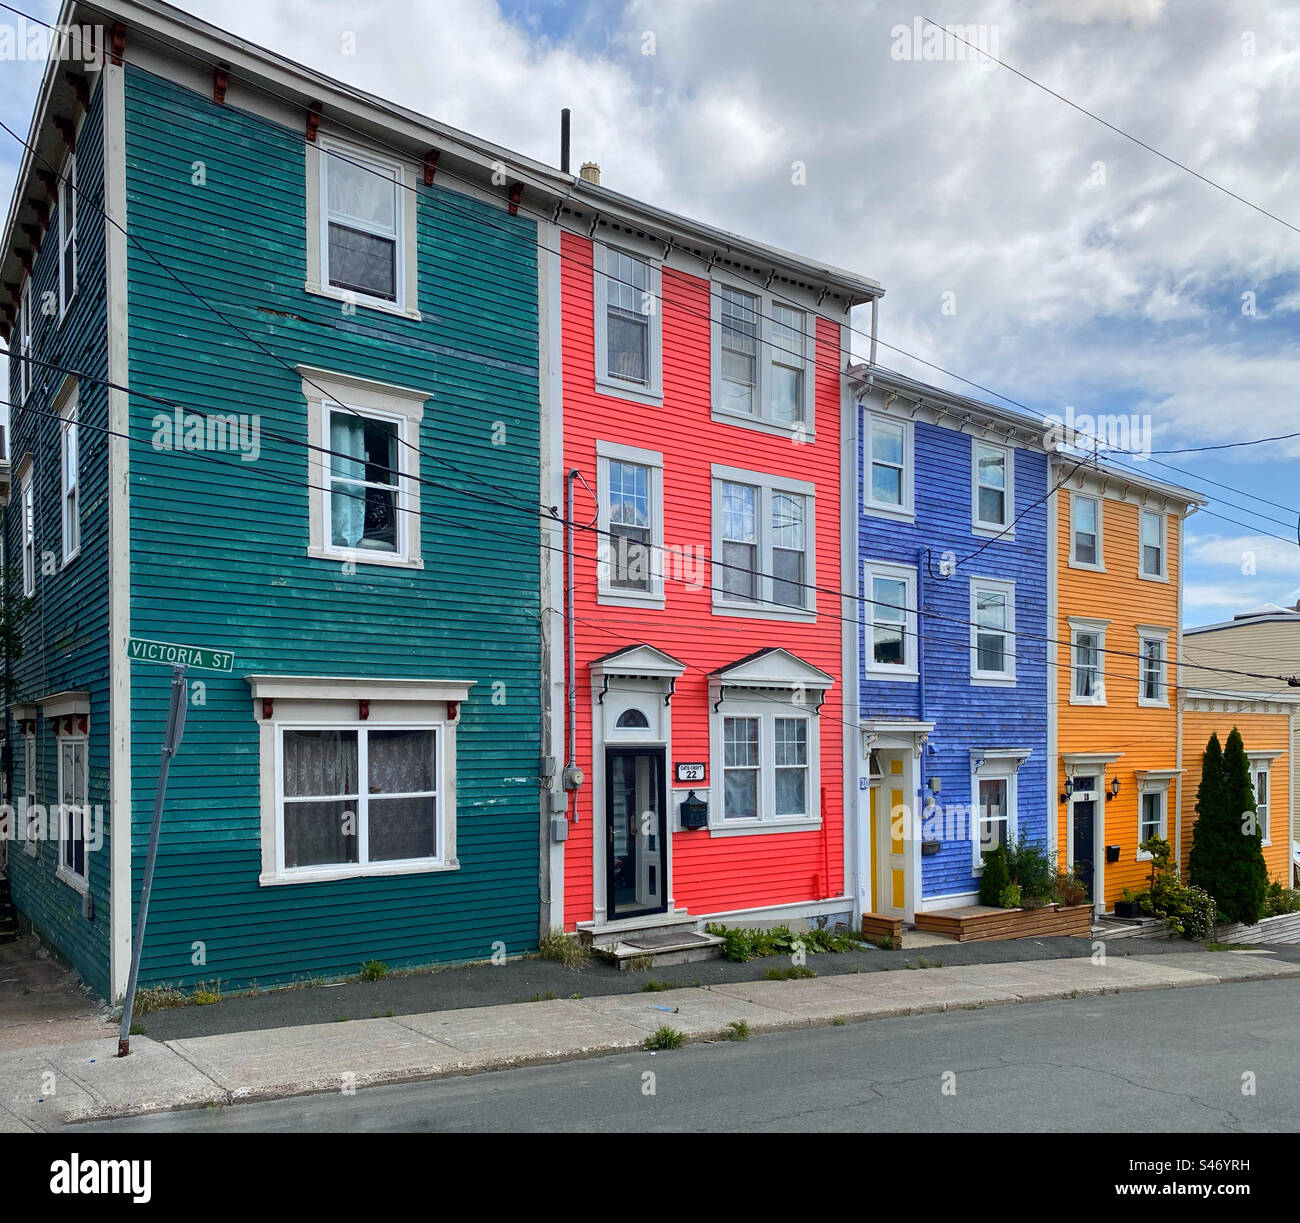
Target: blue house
[{"x": 953, "y": 686}]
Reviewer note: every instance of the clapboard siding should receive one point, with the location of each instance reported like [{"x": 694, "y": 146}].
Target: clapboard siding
[
  {"x": 1145, "y": 736},
  {"x": 709, "y": 874},
  {"x": 968, "y": 717},
  {"x": 65, "y": 641},
  {"x": 218, "y": 545}
]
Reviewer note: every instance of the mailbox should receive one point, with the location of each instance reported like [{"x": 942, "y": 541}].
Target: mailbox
[{"x": 694, "y": 812}]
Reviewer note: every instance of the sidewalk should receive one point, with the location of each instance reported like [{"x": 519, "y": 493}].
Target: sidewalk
[{"x": 44, "y": 1087}]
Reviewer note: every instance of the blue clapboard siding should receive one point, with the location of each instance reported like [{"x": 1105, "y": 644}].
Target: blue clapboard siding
[
  {"x": 65, "y": 641},
  {"x": 966, "y": 715},
  {"x": 218, "y": 545}
]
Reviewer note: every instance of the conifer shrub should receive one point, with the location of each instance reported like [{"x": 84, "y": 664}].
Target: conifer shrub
[{"x": 996, "y": 878}]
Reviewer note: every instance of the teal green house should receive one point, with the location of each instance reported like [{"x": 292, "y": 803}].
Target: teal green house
[{"x": 277, "y": 393}]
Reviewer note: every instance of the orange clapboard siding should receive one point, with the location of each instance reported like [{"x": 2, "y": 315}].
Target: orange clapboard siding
[
  {"x": 1144, "y": 736},
  {"x": 709, "y": 874},
  {"x": 1261, "y": 732}
]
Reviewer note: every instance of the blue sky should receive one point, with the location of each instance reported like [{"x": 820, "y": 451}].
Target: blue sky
[{"x": 1022, "y": 244}]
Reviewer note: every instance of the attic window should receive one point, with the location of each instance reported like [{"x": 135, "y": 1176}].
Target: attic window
[{"x": 632, "y": 719}]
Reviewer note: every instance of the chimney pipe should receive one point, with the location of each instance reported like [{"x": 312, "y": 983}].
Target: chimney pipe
[
  {"x": 564, "y": 141},
  {"x": 590, "y": 172}
]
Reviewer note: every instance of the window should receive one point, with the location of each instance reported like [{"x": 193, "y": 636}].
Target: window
[
  {"x": 67, "y": 235},
  {"x": 361, "y": 227},
  {"x": 762, "y": 533},
  {"x": 992, "y": 495},
  {"x": 28, "y": 531},
  {"x": 364, "y": 490},
  {"x": 25, "y": 342},
  {"x": 889, "y": 619},
  {"x": 1259, "y": 776},
  {"x": 1151, "y": 677},
  {"x": 632, "y": 719},
  {"x": 1087, "y": 646},
  {"x": 768, "y": 757},
  {"x": 1151, "y": 818},
  {"x": 70, "y": 484},
  {"x": 72, "y": 810},
  {"x": 629, "y": 343},
  {"x": 1153, "y": 545},
  {"x": 630, "y": 525},
  {"x": 994, "y": 815},
  {"x": 888, "y": 448},
  {"x": 329, "y": 819},
  {"x": 993, "y": 621},
  {"x": 1085, "y": 532},
  {"x": 763, "y": 366},
  {"x": 30, "y": 789},
  {"x": 363, "y": 222}
]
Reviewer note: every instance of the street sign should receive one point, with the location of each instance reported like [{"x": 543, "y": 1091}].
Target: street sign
[{"x": 170, "y": 654}]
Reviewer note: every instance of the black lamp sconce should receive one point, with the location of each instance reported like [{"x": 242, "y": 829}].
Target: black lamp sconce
[
  {"x": 1069, "y": 789},
  {"x": 1114, "y": 789}
]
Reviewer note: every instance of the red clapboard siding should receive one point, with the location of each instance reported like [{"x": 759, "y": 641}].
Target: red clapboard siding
[{"x": 710, "y": 874}]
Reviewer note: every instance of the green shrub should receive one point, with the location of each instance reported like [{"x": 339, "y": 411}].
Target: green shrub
[
  {"x": 1281, "y": 900},
  {"x": 996, "y": 877},
  {"x": 1067, "y": 888},
  {"x": 739, "y": 944},
  {"x": 1227, "y": 858},
  {"x": 1010, "y": 898},
  {"x": 1188, "y": 911},
  {"x": 1030, "y": 869}
]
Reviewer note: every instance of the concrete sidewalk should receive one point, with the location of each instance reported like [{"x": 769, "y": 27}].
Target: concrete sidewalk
[{"x": 44, "y": 1087}]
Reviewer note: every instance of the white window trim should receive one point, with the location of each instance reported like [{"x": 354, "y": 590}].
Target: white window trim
[
  {"x": 884, "y": 509},
  {"x": 407, "y": 304},
  {"x": 999, "y": 679},
  {"x": 1163, "y": 575},
  {"x": 1080, "y": 624},
  {"x": 68, "y": 178},
  {"x": 653, "y": 392},
  {"x": 27, "y": 524},
  {"x": 68, "y": 428},
  {"x": 908, "y": 672},
  {"x": 763, "y": 608},
  {"x": 993, "y": 530},
  {"x": 1100, "y": 566},
  {"x": 307, "y": 702},
  {"x": 766, "y": 707},
  {"x": 1147, "y": 633},
  {"x": 994, "y": 765},
  {"x": 31, "y": 765},
  {"x": 1152, "y": 786},
  {"x": 762, "y": 419},
  {"x": 328, "y": 391},
  {"x": 78, "y": 883},
  {"x": 654, "y": 597},
  {"x": 25, "y": 341},
  {"x": 1262, "y": 762}
]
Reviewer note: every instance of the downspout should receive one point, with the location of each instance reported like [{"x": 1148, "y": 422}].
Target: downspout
[{"x": 572, "y": 760}]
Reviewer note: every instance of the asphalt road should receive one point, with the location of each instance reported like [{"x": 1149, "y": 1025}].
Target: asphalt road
[{"x": 1161, "y": 1061}]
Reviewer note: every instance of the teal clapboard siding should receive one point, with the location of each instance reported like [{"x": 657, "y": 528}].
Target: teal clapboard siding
[
  {"x": 218, "y": 545},
  {"x": 65, "y": 640}
]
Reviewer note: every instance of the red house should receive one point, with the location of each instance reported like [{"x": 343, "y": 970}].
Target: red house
[{"x": 702, "y": 658}]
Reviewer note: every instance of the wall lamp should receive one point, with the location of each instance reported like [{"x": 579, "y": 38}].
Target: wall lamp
[{"x": 1114, "y": 789}]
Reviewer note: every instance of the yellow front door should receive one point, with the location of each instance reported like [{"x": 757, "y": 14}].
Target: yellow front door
[{"x": 888, "y": 810}]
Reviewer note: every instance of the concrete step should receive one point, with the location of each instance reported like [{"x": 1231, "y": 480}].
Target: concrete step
[
  {"x": 610, "y": 934},
  {"x": 662, "y": 950}
]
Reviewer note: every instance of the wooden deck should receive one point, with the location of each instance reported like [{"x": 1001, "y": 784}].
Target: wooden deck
[{"x": 971, "y": 923}]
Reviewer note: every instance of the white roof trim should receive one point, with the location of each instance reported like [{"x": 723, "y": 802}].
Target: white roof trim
[
  {"x": 334, "y": 688},
  {"x": 62, "y": 704}
]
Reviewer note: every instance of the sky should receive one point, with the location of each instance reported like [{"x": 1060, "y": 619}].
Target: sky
[{"x": 1022, "y": 244}]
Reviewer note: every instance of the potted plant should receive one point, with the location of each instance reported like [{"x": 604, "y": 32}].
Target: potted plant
[{"x": 1127, "y": 905}]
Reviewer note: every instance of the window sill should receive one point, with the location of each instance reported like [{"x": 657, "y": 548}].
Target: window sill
[
  {"x": 798, "y": 433},
  {"x": 993, "y": 681},
  {"x": 1152, "y": 704},
  {"x": 901, "y": 675},
  {"x": 72, "y": 556},
  {"x": 985, "y": 531},
  {"x": 75, "y": 882},
  {"x": 1073, "y": 564},
  {"x": 66, "y": 309},
  {"x": 630, "y": 598},
  {"x": 1080, "y": 700},
  {"x": 765, "y": 611},
  {"x": 361, "y": 301},
  {"x": 365, "y": 558},
  {"x": 630, "y": 390},
  {"x": 742, "y": 828},
  {"x": 328, "y": 875},
  {"x": 1153, "y": 577},
  {"x": 895, "y": 512}
]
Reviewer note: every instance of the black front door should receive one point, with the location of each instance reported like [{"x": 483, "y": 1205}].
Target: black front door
[
  {"x": 636, "y": 819},
  {"x": 1084, "y": 813}
]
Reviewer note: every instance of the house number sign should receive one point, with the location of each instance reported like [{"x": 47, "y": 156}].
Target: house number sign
[{"x": 690, "y": 772}]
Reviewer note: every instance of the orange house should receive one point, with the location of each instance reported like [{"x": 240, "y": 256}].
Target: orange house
[
  {"x": 1116, "y": 553},
  {"x": 1265, "y": 725}
]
